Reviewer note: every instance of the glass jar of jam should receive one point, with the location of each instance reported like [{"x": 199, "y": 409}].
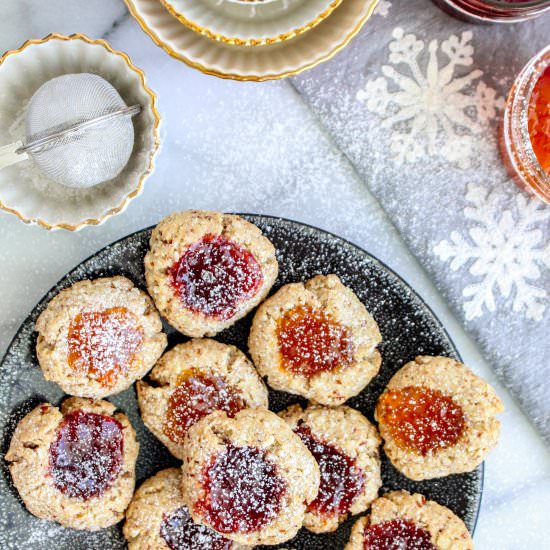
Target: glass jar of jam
[
  {"x": 525, "y": 134},
  {"x": 495, "y": 11}
]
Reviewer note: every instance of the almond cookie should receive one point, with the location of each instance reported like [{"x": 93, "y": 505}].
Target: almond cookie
[
  {"x": 98, "y": 337},
  {"x": 75, "y": 466},
  {"x": 205, "y": 270},
  {"x": 249, "y": 478},
  {"x": 191, "y": 381},
  {"x": 158, "y": 519},
  {"x": 402, "y": 520},
  {"x": 316, "y": 339},
  {"x": 437, "y": 418},
  {"x": 346, "y": 447}
]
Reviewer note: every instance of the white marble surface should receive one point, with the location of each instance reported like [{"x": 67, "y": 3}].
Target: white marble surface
[{"x": 253, "y": 148}]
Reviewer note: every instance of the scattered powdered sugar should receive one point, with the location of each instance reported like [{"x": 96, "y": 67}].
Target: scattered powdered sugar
[
  {"x": 407, "y": 325},
  {"x": 180, "y": 532},
  {"x": 416, "y": 105}
]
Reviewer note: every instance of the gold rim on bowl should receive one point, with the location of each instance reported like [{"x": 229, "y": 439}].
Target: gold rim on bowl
[
  {"x": 233, "y": 41},
  {"x": 247, "y": 78},
  {"x": 156, "y": 141}
]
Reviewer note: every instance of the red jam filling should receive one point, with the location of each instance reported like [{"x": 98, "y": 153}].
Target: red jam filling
[
  {"x": 311, "y": 343},
  {"x": 103, "y": 344},
  {"x": 539, "y": 120},
  {"x": 421, "y": 420},
  {"x": 243, "y": 491},
  {"x": 215, "y": 275},
  {"x": 86, "y": 455},
  {"x": 180, "y": 532},
  {"x": 397, "y": 534},
  {"x": 341, "y": 479},
  {"x": 196, "y": 396}
]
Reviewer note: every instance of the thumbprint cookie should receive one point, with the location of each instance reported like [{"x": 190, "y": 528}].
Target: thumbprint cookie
[
  {"x": 316, "y": 339},
  {"x": 192, "y": 380},
  {"x": 401, "y": 520},
  {"x": 75, "y": 466},
  {"x": 250, "y": 478},
  {"x": 346, "y": 447},
  {"x": 96, "y": 338},
  {"x": 437, "y": 418},
  {"x": 158, "y": 519},
  {"x": 205, "y": 270}
]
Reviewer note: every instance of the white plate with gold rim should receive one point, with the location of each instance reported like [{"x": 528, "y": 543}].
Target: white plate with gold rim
[
  {"x": 24, "y": 190},
  {"x": 251, "y": 22},
  {"x": 260, "y": 63}
]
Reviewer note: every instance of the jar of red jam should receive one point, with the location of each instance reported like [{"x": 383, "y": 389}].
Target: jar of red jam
[
  {"x": 495, "y": 11},
  {"x": 525, "y": 136}
]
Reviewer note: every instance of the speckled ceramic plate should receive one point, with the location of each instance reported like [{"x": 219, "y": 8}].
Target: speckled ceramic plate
[{"x": 408, "y": 327}]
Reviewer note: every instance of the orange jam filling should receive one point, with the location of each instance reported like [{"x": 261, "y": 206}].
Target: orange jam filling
[
  {"x": 311, "y": 342},
  {"x": 103, "y": 344},
  {"x": 196, "y": 396},
  {"x": 539, "y": 120},
  {"x": 421, "y": 420}
]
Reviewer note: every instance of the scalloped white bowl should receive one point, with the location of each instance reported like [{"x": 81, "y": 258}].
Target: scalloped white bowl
[
  {"x": 260, "y": 63},
  {"x": 24, "y": 190},
  {"x": 251, "y": 23}
]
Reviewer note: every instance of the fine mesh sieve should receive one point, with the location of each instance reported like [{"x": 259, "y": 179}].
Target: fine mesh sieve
[{"x": 79, "y": 131}]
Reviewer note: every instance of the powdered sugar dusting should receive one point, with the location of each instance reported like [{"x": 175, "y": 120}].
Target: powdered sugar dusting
[
  {"x": 420, "y": 419},
  {"x": 103, "y": 344},
  {"x": 243, "y": 491},
  {"x": 341, "y": 479},
  {"x": 215, "y": 275},
  {"x": 397, "y": 534},
  {"x": 428, "y": 196},
  {"x": 407, "y": 325},
  {"x": 87, "y": 454},
  {"x": 196, "y": 396},
  {"x": 311, "y": 342},
  {"x": 180, "y": 533}
]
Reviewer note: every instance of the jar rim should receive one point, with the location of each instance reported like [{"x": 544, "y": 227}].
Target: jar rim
[
  {"x": 518, "y": 118},
  {"x": 517, "y": 6},
  {"x": 527, "y": 81}
]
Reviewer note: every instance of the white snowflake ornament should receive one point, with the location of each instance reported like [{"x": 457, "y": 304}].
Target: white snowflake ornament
[
  {"x": 506, "y": 252},
  {"x": 383, "y": 8},
  {"x": 433, "y": 111}
]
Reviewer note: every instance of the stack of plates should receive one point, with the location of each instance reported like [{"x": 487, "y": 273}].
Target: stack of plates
[{"x": 252, "y": 39}]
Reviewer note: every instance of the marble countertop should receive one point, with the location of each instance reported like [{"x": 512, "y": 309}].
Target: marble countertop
[{"x": 282, "y": 164}]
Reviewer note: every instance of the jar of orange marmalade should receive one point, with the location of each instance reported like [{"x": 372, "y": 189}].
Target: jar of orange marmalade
[
  {"x": 525, "y": 135},
  {"x": 495, "y": 11}
]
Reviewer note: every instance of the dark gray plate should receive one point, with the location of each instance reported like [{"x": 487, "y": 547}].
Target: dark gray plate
[{"x": 408, "y": 326}]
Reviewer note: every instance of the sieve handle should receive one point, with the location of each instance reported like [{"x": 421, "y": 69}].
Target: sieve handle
[
  {"x": 10, "y": 154},
  {"x": 37, "y": 145}
]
